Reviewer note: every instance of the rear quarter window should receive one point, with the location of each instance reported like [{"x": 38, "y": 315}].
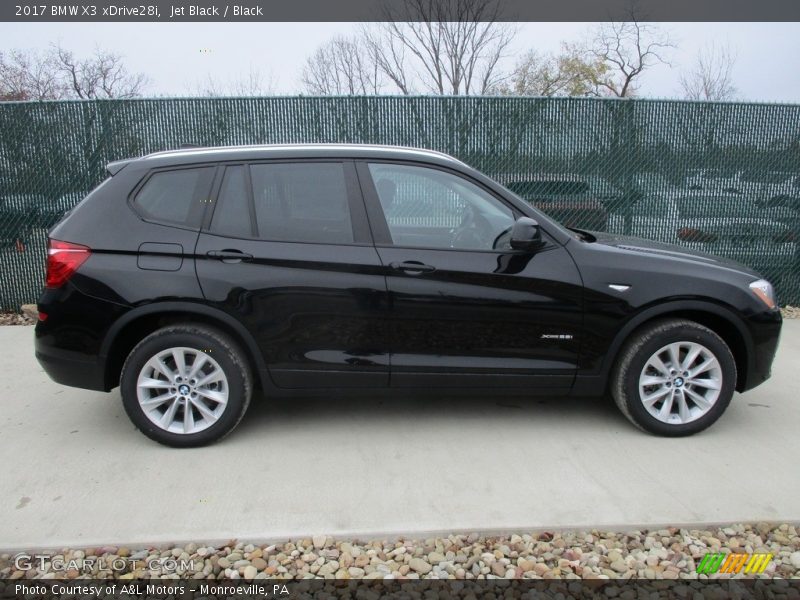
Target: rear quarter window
[{"x": 175, "y": 197}]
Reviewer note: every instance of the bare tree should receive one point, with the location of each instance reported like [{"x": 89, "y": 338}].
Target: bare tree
[
  {"x": 389, "y": 55},
  {"x": 29, "y": 76},
  {"x": 565, "y": 74},
  {"x": 58, "y": 74},
  {"x": 447, "y": 46},
  {"x": 628, "y": 49},
  {"x": 252, "y": 83},
  {"x": 711, "y": 76},
  {"x": 102, "y": 75},
  {"x": 343, "y": 66}
]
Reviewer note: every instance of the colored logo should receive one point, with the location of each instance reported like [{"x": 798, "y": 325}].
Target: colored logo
[{"x": 720, "y": 562}]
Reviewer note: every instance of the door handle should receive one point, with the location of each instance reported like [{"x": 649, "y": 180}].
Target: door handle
[
  {"x": 229, "y": 256},
  {"x": 412, "y": 267}
]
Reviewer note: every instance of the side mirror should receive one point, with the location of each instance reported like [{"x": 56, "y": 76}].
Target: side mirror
[{"x": 526, "y": 235}]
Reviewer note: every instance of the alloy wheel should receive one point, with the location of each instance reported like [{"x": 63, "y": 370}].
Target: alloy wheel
[
  {"x": 182, "y": 390},
  {"x": 680, "y": 382}
]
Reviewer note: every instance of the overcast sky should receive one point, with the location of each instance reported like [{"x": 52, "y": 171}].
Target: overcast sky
[{"x": 178, "y": 57}]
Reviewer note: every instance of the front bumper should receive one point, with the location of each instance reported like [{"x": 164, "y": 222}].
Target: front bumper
[{"x": 765, "y": 331}]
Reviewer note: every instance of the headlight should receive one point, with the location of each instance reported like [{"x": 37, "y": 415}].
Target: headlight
[{"x": 763, "y": 289}]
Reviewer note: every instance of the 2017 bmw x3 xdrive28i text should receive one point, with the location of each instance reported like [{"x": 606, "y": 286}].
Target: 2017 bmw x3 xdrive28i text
[{"x": 191, "y": 278}]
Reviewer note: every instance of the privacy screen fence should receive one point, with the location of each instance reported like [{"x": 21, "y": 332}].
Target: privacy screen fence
[{"x": 723, "y": 178}]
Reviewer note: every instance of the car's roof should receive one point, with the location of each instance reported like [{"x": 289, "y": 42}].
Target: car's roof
[{"x": 281, "y": 151}]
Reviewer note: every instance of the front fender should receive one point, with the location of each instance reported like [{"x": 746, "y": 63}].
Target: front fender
[{"x": 677, "y": 308}]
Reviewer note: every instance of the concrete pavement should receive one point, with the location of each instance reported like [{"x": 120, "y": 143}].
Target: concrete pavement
[{"x": 76, "y": 472}]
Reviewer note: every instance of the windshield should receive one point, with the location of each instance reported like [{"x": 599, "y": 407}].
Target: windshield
[{"x": 540, "y": 215}]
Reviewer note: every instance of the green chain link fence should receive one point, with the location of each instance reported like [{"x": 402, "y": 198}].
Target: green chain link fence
[{"x": 719, "y": 177}]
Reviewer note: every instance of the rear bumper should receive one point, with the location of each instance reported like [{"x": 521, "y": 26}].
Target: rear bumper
[
  {"x": 68, "y": 342},
  {"x": 70, "y": 368}
]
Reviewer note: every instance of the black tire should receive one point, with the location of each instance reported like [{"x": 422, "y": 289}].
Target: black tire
[
  {"x": 216, "y": 344},
  {"x": 637, "y": 351}
]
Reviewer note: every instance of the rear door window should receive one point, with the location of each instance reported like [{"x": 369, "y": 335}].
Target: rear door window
[
  {"x": 176, "y": 197},
  {"x": 302, "y": 202}
]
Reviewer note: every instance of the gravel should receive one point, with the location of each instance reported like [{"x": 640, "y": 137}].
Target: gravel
[
  {"x": 670, "y": 553},
  {"x": 791, "y": 312},
  {"x": 11, "y": 318}
]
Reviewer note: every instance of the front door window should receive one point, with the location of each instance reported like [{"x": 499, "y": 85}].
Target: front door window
[{"x": 431, "y": 208}]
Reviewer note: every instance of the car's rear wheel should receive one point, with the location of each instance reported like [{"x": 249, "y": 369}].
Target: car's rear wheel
[
  {"x": 674, "y": 377},
  {"x": 186, "y": 385}
]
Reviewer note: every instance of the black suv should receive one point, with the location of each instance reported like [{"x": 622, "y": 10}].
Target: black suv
[{"x": 191, "y": 278}]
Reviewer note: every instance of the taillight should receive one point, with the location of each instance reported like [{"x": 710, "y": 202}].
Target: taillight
[
  {"x": 786, "y": 237},
  {"x": 689, "y": 234},
  {"x": 63, "y": 259}
]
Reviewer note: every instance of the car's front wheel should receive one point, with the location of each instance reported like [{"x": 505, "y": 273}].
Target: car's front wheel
[
  {"x": 674, "y": 377},
  {"x": 186, "y": 385}
]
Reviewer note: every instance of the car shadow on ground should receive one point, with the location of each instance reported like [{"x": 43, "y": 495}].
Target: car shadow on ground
[
  {"x": 273, "y": 413},
  {"x": 277, "y": 419}
]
